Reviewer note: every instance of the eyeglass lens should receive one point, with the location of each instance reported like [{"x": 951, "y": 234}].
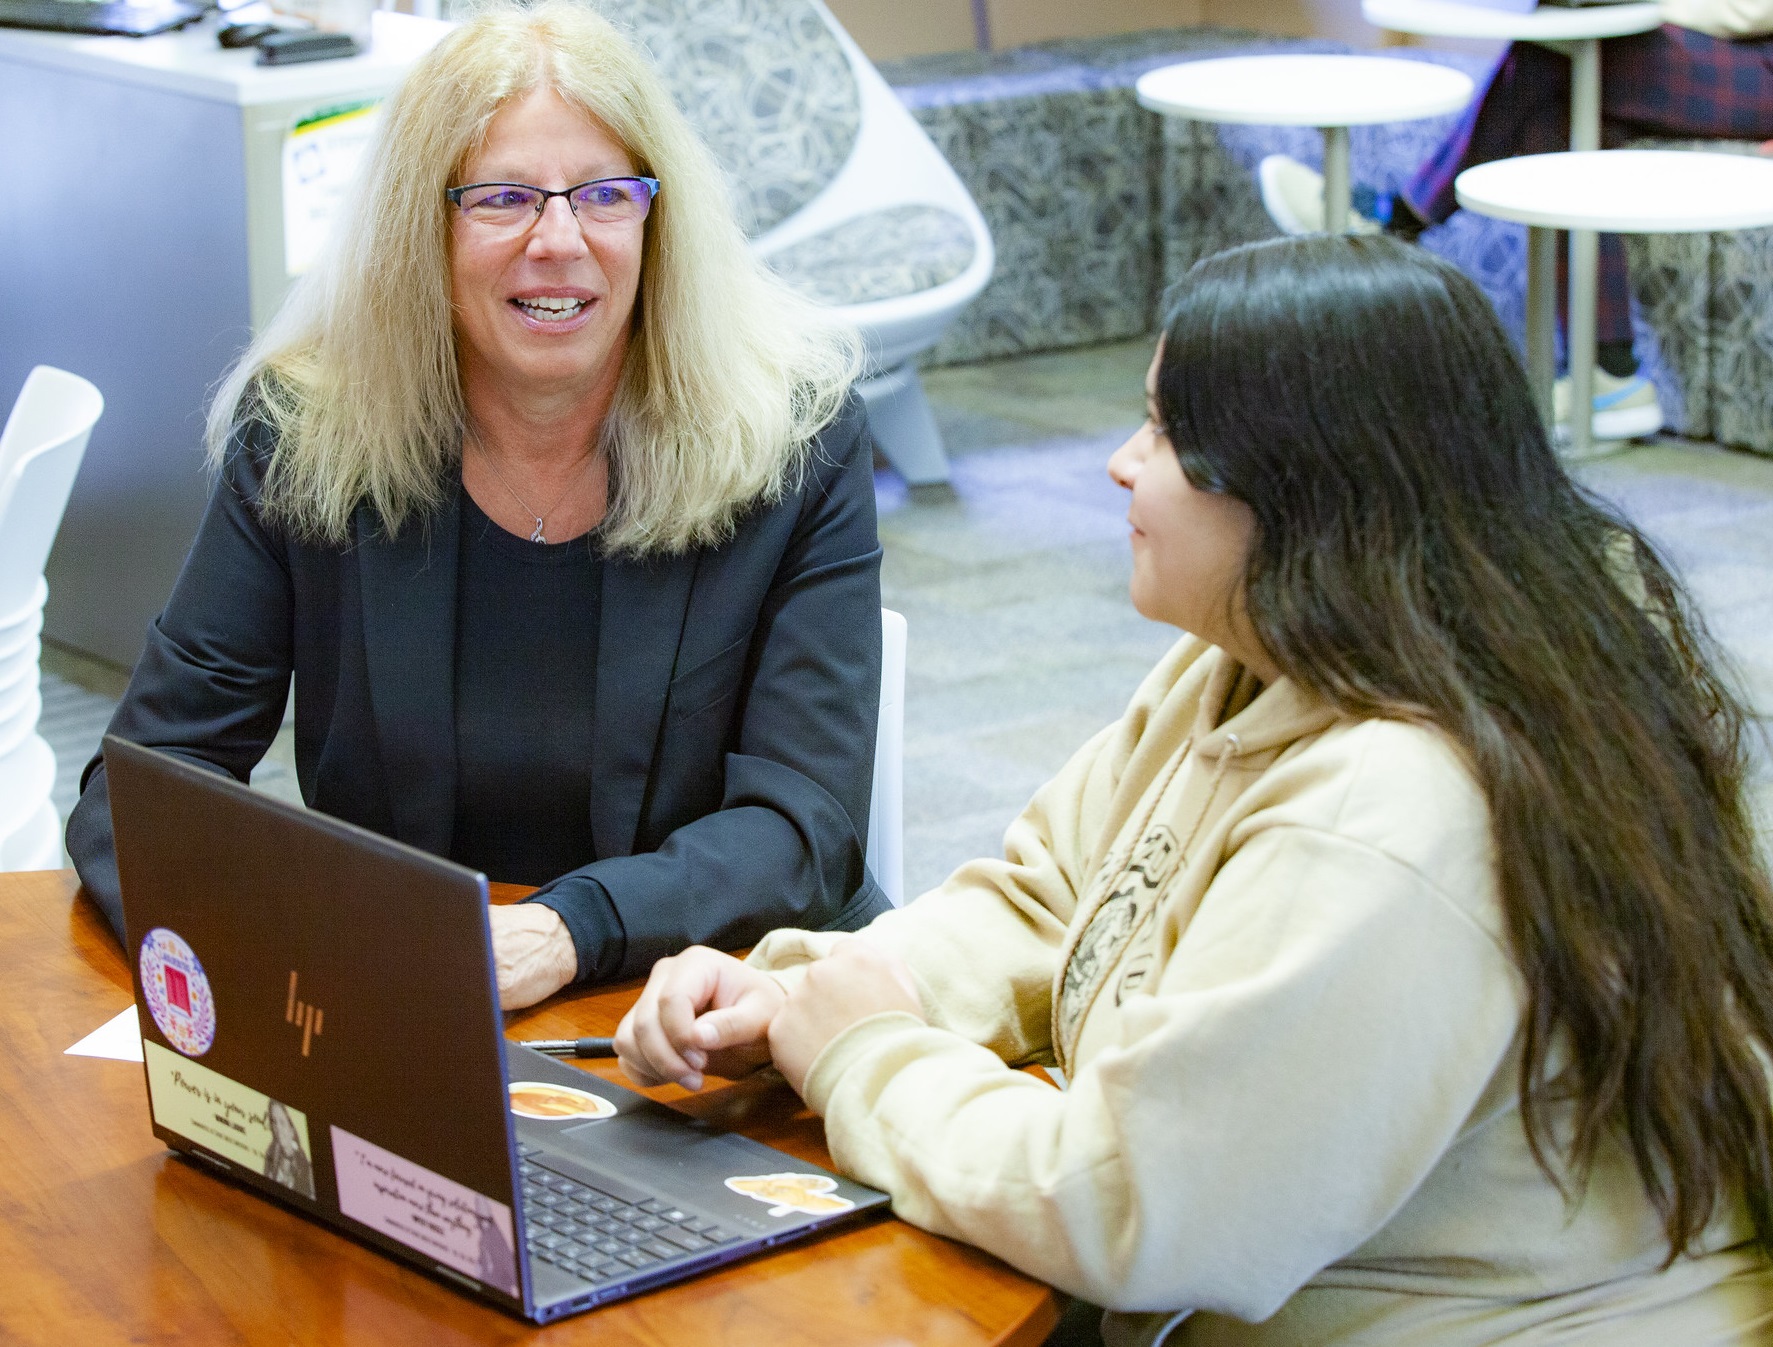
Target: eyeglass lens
[{"x": 510, "y": 205}]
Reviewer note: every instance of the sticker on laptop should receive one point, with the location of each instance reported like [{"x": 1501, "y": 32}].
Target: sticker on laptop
[
  {"x": 235, "y": 1121},
  {"x": 435, "y": 1216},
  {"x": 557, "y": 1103},
  {"x": 809, "y": 1193},
  {"x": 177, "y": 992}
]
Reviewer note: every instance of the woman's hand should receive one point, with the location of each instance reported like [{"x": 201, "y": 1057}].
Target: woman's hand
[
  {"x": 533, "y": 953},
  {"x": 702, "y": 1011},
  {"x": 854, "y": 981}
]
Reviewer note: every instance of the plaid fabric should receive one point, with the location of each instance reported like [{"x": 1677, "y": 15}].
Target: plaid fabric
[{"x": 1669, "y": 82}]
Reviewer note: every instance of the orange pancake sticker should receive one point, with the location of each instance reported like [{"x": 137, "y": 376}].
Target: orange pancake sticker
[
  {"x": 557, "y": 1103},
  {"x": 809, "y": 1193}
]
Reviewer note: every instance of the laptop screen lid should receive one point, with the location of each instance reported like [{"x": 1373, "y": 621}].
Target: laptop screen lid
[{"x": 321, "y": 1015}]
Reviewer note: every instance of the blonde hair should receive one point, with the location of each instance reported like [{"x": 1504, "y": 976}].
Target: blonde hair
[{"x": 727, "y": 379}]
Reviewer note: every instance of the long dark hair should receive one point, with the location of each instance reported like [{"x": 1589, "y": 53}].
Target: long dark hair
[{"x": 1420, "y": 554}]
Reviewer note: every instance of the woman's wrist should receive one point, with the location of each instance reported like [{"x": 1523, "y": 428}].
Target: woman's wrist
[
  {"x": 563, "y": 953},
  {"x": 592, "y": 924},
  {"x": 533, "y": 953}
]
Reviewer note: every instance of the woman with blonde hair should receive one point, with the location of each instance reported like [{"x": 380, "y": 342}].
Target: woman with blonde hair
[{"x": 559, "y": 511}]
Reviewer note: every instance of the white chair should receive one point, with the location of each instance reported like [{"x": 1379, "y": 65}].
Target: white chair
[
  {"x": 886, "y": 811},
  {"x": 898, "y": 200},
  {"x": 40, "y": 452},
  {"x": 840, "y": 190},
  {"x": 20, "y": 650}
]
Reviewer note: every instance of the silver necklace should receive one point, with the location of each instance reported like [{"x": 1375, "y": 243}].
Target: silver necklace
[{"x": 539, "y": 516}]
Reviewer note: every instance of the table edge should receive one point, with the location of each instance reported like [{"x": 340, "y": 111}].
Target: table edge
[
  {"x": 1471, "y": 200},
  {"x": 1453, "y": 98},
  {"x": 1499, "y": 25}
]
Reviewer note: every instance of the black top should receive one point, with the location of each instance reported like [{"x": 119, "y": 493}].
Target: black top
[
  {"x": 526, "y": 693},
  {"x": 526, "y": 712},
  {"x": 732, "y": 743}
]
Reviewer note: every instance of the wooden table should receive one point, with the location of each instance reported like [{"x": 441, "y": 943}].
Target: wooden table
[{"x": 105, "y": 1237}]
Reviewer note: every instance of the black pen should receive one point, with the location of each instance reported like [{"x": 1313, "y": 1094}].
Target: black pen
[{"x": 571, "y": 1047}]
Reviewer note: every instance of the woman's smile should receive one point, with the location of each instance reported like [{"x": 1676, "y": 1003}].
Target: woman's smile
[{"x": 555, "y": 310}]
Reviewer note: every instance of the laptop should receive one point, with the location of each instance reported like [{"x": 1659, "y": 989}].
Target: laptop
[
  {"x": 119, "y": 18},
  {"x": 320, "y": 1023}
]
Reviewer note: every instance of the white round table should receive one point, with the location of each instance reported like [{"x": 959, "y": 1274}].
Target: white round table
[
  {"x": 1618, "y": 192},
  {"x": 1577, "y": 33},
  {"x": 1331, "y": 93},
  {"x": 1548, "y": 23}
]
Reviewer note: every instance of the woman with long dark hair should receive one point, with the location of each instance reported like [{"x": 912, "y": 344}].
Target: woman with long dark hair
[{"x": 1406, "y": 942}]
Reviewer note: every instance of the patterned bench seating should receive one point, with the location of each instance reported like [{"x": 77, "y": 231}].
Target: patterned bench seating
[
  {"x": 1707, "y": 299},
  {"x": 1095, "y": 205}
]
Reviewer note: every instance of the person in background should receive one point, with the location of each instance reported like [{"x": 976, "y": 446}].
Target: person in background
[
  {"x": 559, "y": 510},
  {"x": 1406, "y": 945},
  {"x": 1706, "y": 74}
]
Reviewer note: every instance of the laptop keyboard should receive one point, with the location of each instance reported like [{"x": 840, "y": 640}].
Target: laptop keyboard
[{"x": 599, "y": 1238}]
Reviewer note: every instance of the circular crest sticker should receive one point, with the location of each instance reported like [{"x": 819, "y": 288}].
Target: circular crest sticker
[{"x": 177, "y": 992}]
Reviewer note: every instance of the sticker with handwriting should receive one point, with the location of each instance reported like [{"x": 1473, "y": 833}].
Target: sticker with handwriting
[
  {"x": 425, "y": 1211},
  {"x": 235, "y": 1121}
]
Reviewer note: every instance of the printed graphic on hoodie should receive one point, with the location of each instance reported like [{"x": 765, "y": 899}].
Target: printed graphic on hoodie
[{"x": 1131, "y": 899}]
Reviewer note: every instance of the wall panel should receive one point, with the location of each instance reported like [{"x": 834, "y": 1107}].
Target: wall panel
[
  {"x": 887, "y": 29},
  {"x": 1337, "y": 19},
  {"x": 1015, "y": 23}
]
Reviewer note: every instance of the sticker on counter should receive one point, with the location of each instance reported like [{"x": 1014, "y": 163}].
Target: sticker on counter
[
  {"x": 438, "y": 1217},
  {"x": 321, "y": 155},
  {"x": 235, "y": 1121},
  {"x": 809, "y": 1193},
  {"x": 557, "y": 1103},
  {"x": 177, "y": 992}
]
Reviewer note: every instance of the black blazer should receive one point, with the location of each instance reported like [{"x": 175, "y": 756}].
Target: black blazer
[{"x": 737, "y": 700}]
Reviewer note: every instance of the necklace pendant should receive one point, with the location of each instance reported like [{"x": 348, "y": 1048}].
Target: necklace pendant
[{"x": 537, "y": 537}]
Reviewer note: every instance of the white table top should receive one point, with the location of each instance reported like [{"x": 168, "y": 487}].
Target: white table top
[
  {"x": 1548, "y": 23},
  {"x": 1304, "y": 90},
  {"x": 190, "y": 62},
  {"x": 1624, "y": 191}
]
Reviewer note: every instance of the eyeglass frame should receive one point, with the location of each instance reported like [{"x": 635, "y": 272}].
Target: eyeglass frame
[{"x": 653, "y": 187}]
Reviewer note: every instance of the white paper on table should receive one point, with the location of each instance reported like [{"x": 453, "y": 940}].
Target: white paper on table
[{"x": 119, "y": 1037}]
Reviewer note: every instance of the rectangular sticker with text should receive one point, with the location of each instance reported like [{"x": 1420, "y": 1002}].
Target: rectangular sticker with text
[
  {"x": 235, "y": 1121},
  {"x": 438, "y": 1217}
]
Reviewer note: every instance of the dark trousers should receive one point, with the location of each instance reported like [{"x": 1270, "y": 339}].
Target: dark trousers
[
  {"x": 1080, "y": 1325},
  {"x": 1671, "y": 82}
]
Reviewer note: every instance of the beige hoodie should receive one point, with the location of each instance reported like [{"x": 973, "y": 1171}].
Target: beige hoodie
[
  {"x": 1264, "y": 941},
  {"x": 1722, "y": 18}
]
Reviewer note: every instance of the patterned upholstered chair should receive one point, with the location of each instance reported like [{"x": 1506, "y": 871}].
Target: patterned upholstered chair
[{"x": 838, "y": 188}]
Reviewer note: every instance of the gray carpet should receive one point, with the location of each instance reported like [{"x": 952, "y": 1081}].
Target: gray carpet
[
  {"x": 1023, "y": 641},
  {"x": 72, "y": 722}
]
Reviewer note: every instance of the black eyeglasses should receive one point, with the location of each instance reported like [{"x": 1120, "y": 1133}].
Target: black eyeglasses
[{"x": 510, "y": 207}]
